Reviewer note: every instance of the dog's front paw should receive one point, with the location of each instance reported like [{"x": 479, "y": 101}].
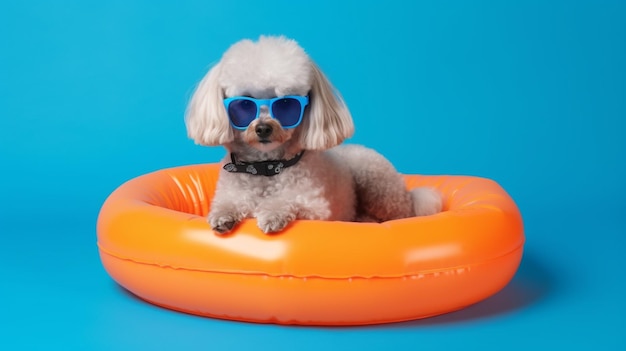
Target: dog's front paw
[
  {"x": 222, "y": 223},
  {"x": 274, "y": 222}
]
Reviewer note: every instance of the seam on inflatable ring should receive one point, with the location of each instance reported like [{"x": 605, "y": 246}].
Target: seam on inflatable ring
[
  {"x": 457, "y": 270},
  {"x": 297, "y": 322}
]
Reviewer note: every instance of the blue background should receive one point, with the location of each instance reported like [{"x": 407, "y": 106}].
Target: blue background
[{"x": 529, "y": 93}]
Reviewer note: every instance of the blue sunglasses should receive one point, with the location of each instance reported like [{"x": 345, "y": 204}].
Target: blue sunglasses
[{"x": 288, "y": 110}]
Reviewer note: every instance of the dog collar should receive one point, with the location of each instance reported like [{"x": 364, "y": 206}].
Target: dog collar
[{"x": 264, "y": 168}]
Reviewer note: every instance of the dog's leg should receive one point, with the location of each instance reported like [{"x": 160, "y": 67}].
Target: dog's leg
[
  {"x": 381, "y": 191},
  {"x": 303, "y": 202},
  {"x": 229, "y": 206},
  {"x": 223, "y": 217},
  {"x": 273, "y": 219}
]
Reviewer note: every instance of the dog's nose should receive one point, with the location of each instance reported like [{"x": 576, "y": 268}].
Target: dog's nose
[{"x": 263, "y": 130}]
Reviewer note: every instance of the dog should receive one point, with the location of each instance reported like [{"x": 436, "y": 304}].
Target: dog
[{"x": 282, "y": 122}]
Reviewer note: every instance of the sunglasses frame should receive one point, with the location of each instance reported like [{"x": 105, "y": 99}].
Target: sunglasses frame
[{"x": 303, "y": 100}]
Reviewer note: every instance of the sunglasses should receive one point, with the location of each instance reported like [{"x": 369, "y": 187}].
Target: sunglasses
[{"x": 288, "y": 110}]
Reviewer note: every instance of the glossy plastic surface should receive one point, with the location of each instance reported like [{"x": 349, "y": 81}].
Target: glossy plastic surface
[{"x": 154, "y": 240}]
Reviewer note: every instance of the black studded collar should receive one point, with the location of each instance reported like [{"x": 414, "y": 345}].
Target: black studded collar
[{"x": 264, "y": 168}]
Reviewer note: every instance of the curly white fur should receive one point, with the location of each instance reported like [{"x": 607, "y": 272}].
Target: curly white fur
[{"x": 343, "y": 183}]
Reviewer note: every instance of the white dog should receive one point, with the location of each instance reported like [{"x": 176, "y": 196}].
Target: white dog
[{"x": 280, "y": 119}]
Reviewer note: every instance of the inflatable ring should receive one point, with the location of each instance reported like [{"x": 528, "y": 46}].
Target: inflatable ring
[{"x": 154, "y": 240}]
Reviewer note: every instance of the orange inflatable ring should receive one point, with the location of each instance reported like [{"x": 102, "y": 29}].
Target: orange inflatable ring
[{"x": 154, "y": 241}]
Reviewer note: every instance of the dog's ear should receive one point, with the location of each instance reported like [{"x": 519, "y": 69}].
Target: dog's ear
[
  {"x": 206, "y": 118},
  {"x": 328, "y": 122}
]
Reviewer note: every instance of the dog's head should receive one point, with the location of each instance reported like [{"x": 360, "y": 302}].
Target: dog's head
[{"x": 268, "y": 68}]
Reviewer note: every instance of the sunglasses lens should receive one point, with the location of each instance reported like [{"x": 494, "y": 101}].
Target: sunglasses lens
[
  {"x": 242, "y": 112},
  {"x": 287, "y": 111}
]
